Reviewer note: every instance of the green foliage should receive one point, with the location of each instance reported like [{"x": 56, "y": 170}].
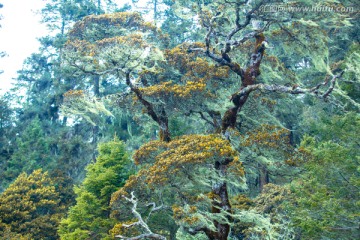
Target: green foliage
[
  {"x": 169, "y": 81},
  {"x": 326, "y": 197},
  {"x": 6, "y": 137},
  {"x": 77, "y": 104},
  {"x": 32, "y": 207},
  {"x": 32, "y": 152},
  {"x": 182, "y": 174},
  {"x": 90, "y": 215}
]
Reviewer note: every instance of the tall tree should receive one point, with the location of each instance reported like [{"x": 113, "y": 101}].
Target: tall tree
[
  {"x": 44, "y": 81},
  {"x": 89, "y": 218},
  {"x": 326, "y": 195},
  {"x": 204, "y": 76},
  {"x": 6, "y": 136}
]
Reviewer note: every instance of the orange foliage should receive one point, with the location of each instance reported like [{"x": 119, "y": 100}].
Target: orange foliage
[
  {"x": 191, "y": 65},
  {"x": 189, "y": 150},
  {"x": 267, "y": 136},
  {"x": 166, "y": 159},
  {"x": 134, "y": 39},
  {"x": 168, "y": 88},
  {"x": 127, "y": 20},
  {"x": 198, "y": 75},
  {"x": 74, "y": 94}
]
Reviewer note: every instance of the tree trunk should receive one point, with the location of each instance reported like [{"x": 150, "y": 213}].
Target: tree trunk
[
  {"x": 263, "y": 178},
  {"x": 248, "y": 77},
  {"x": 222, "y": 229},
  {"x": 220, "y": 204},
  {"x": 96, "y": 79},
  {"x": 160, "y": 118}
]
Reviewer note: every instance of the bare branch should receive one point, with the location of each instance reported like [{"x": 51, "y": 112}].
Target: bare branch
[
  {"x": 248, "y": 18},
  {"x": 143, "y": 236},
  {"x": 149, "y": 234},
  {"x": 290, "y": 90},
  {"x": 332, "y": 84}
]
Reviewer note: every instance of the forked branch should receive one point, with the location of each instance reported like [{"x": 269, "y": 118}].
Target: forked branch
[{"x": 140, "y": 222}]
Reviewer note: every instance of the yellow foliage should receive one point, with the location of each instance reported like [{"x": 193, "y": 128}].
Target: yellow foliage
[
  {"x": 130, "y": 20},
  {"x": 186, "y": 150},
  {"x": 167, "y": 88},
  {"x": 164, "y": 161},
  {"x": 71, "y": 94},
  {"x": 241, "y": 202},
  {"x": 267, "y": 136},
  {"x": 122, "y": 229}
]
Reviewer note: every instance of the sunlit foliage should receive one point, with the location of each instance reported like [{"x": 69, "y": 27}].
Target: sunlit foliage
[
  {"x": 181, "y": 174},
  {"x": 89, "y": 218},
  {"x": 32, "y": 207},
  {"x": 77, "y": 104}
]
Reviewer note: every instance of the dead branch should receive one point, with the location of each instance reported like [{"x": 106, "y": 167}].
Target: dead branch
[{"x": 149, "y": 234}]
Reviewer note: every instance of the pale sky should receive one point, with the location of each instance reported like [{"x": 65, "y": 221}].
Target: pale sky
[{"x": 20, "y": 28}]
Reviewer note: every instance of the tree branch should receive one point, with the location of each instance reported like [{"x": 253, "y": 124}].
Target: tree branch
[
  {"x": 240, "y": 98},
  {"x": 149, "y": 234}
]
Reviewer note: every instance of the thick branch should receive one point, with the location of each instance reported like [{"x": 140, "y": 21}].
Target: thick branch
[
  {"x": 143, "y": 236},
  {"x": 149, "y": 234},
  {"x": 248, "y": 17},
  {"x": 240, "y": 98},
  {"x": 297, "y": 90},
  {"x": 160, "y": 119},
  {"x": 285, "y": 89}
]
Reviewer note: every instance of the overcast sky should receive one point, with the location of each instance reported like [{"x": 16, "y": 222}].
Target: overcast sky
[{"x": 20, "y": 28}]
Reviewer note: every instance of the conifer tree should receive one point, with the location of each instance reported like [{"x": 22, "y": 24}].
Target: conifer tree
[
  {"x": 90, "y": 217},
  {"x": 325, "y": 201}
]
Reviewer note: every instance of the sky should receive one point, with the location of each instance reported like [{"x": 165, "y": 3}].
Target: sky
[{"x": 20, "y": 27}]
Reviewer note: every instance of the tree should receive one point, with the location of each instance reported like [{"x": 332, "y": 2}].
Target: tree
[
  {"x": 89, "y": 218},
  {"x": 105, "y": 52},
  {"x": 191, "y": 174},
  {"x": 6, "y": 136},
  {"x": 69, "y": 146},
  {"x": 196, "y": 80},
  {"x": 326, "y": 196},
  {"x": 33, "y": 152},
  {"x": 32, "y": 206}
]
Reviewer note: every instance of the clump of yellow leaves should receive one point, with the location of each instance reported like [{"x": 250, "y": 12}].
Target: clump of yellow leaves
[
  {"x": 123, "y": 20},
  {"x": 162, "y": 161},
  {"x": 123, "y": 229},
  {"x": 168, "y": 88},
  {"x": 198, "y": 79},
  {"x": 169, "y": 158},
  {"x": 268, "y": 136}
]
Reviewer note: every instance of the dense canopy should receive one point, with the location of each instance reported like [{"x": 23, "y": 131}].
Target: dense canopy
[{"x": 185, "y": 120}]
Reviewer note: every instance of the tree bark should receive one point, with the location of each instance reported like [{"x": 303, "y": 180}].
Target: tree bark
[
  {"x": 96, "y": 79},
  {"x": 220, "y": 204},
  {"x": 161, "y": 119},
  {"x": 263, "y": 177}
]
